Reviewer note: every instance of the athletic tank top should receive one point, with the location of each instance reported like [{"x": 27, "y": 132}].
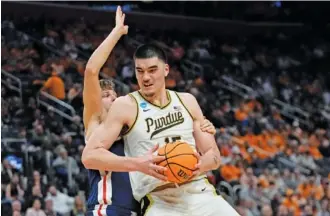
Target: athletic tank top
[
  {"x": 111, "y": 188},
  {"x": 154, "y": 125}
]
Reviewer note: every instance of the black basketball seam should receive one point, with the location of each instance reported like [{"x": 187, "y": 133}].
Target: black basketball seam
[
  {"x": 169, "y": 166},
  {"x": 176, "y": 156},
  {"x": 171, "y": 149},
  {"x": 180, "y": 166}
]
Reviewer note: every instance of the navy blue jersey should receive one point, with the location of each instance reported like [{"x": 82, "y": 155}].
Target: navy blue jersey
[{"x": 107, "y": 187}]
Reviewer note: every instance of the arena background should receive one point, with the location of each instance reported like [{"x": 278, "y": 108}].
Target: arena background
[{"x": 260, "y": 72}]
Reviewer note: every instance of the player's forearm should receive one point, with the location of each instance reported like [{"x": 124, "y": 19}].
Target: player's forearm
[
  {"x": 210, "y": 160},
  {"x": 102, "y": 159},
  {"x": 101, "y": 54}
]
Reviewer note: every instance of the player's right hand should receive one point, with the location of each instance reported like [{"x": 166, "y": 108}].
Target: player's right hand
[
  {"x": 148, "y": 165},
  {"x": 120, "y": 19}
]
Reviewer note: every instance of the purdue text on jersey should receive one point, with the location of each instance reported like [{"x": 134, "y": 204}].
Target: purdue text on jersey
[{"x": 158, "y": 125}]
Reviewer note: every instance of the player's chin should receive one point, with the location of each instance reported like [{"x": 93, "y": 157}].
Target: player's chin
[{"x": 148, "y": 92}]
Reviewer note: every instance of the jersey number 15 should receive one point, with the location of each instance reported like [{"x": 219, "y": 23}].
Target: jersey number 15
[{"x": 172, "y": 139}]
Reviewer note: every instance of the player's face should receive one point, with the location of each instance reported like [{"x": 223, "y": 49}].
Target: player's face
[
  {"x": 150, "y": 74},
  {"x": 108, "y": 96}
]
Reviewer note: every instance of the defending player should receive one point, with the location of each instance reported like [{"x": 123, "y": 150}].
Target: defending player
[{"x": 110, "y": 192}]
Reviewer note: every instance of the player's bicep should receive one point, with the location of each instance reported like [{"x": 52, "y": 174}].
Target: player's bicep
[
  {"x": 92, "y": 97},
  {"x": 106, "y": 134},
  {"x": 204, "y": 141},
  {"x": 116, "y": 119}
]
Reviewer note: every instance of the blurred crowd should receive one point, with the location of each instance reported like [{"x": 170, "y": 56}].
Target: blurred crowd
[{"x": 272, "y": 165}]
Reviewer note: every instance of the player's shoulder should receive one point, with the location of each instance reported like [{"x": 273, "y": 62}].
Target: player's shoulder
[
  {"x": 186, "y": 97},
  {"x": 126, "y": 100},
  {"x": 124, "y": 106}
]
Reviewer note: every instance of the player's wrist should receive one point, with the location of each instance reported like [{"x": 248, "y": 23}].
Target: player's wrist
[
  {"x": 131, "y": 164},
  {"x": 206, "y": 164},
  {"x": 118, "y": 31}
]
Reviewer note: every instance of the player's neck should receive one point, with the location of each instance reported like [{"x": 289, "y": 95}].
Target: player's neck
[{"x": 160, "y": 99}]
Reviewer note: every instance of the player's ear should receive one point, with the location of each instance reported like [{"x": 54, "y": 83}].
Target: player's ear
[{"x": 166, "y": 69}]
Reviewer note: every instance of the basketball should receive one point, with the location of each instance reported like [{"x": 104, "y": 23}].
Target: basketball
[{"x": 180, "y": 161}]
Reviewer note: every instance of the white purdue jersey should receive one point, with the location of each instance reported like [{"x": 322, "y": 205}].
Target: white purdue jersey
[{"x": 154, "y": 125}]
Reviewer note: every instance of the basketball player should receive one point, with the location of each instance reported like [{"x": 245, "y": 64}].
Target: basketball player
[
  {"x": 156, "y": 115},
  {"x": 110, "y": 192}
]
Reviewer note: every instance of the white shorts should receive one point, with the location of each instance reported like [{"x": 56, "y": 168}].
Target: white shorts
[{"x": 197, "y": 198}]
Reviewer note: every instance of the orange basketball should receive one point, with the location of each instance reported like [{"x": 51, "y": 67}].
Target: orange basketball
[{"x": 180, "y": 161}]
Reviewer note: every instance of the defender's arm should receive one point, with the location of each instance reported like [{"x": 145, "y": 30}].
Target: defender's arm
[
  {"x": 92, "y": 89},
  {"x": 205, "y": 142}
]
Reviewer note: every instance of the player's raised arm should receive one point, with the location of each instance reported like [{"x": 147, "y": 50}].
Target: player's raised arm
[
  {"x": 92, "y": 89},
  {"x": 205, "y": 142},
  {"x": 96, "y": 155}
]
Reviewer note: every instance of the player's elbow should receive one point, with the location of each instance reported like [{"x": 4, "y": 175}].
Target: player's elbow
[
  {"x": 91, "y": 70},
  {"x": 87, "y": 158}
]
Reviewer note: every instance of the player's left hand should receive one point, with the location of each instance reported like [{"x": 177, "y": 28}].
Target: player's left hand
[
  {"x": 120, "y": 21},
  {"x": 208, "y": 127}
]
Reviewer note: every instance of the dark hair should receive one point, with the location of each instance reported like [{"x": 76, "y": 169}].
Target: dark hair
[
  {"x": 150, "y": 50},
  {"x": 107, "y": 84}
]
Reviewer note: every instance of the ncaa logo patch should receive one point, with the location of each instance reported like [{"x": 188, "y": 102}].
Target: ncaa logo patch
[
  {"x": 177, "y": 108},
  {"x": 143, "y": 105}
]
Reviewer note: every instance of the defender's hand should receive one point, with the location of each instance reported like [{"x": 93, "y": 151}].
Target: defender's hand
[
  {"x": 208, "y": 127},
  {"x": 120, "y": 19},
  {"x": 147, "y": 165}
]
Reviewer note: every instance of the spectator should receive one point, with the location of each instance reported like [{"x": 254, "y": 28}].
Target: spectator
[
  {"x": 266, "y": 211},
  {"x": 243, "y": 208},
  {"x": 248, "y": 177},
  {"x": 325, "y": 208},
  {"x": 231, "y": 173},
  {"x": 75, "y": 91},
  {"x": 36, "y": 194},
  {"x": 49, "y": 209},
  {"x": 291, "y": 202},
  {"x": 14, "y": 190},
  {"x": 177, "y": 51},
  {"x": 63, "y": 204},
  {"x": 37, "y": 181},
  {"x": 35, "y": 210},
  {"x": 79, "y": 207},
  {"x": 17, "y": 213},
  {"x": 283, "y": 211},
  {"x": 54, "y": 124},
  {"x": 16, "y": 207},
  {"x": 7, "y": 172},
  {"x": 55, "y": 86},
  {"x": 41, "y": 137},
  {"x": 65, "y": 165},
  {"x": 241, "y": 114}
]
